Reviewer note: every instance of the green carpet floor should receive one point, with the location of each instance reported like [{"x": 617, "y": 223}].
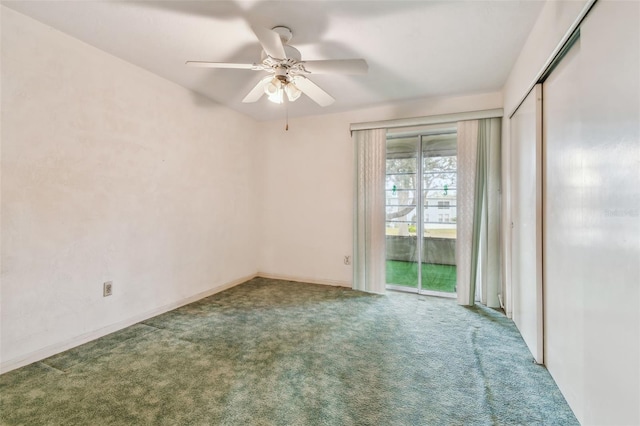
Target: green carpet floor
[
  {"x": 434, "y": 277},
  {"x": 272, "y": 352}
]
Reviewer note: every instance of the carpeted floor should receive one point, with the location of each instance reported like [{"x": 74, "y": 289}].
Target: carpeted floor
[{"x": 273, "y": 352}]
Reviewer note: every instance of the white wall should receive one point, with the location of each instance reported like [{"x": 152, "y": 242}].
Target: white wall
[
  {"x": 306, "y": 187},
  {"x": 554, "y": 21},
  {"x": 111, "y": 173}
]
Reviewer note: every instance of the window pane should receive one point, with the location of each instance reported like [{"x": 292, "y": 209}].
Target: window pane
[
  {"x": 439, "y": 194},
  {"x": 401, "y": 228},
  {"x": 401, "y": 165},
  {"x": 440, "y": 180},
  {"x": 400, "y": 182},
  {"x": 439, "y": 164}
]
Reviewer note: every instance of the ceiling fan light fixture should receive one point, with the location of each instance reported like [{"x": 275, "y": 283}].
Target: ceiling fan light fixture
[
  {"x": 292, "y": 91},
  {"x": 276, "y": 98},
  {"x": 272, "y": 86},
  {"x": 273, "y": 89}
]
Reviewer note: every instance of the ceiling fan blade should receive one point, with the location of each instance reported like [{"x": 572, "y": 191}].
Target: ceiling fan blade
[
  {"x": 203, "y": 64},
  {"x": 255, "y": 93},
  {"x": 337, "y": 66},
  {"x": 271, "y": 42},
  {"x": 312, "y": 90}
]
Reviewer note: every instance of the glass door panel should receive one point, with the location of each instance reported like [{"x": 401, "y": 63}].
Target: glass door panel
[
  {"x": 402, "y": 222},
  {"x": 439, "y": 179}
]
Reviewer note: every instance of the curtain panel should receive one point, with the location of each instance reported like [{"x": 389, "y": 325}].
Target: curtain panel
[
  {"x": 478, "y": 244},
  {"x": 467, "y": 159},
  {"x": 369, "y": 217}
]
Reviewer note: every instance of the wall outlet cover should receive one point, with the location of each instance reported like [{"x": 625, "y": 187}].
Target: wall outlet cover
[{"x": 107, "y": 289}]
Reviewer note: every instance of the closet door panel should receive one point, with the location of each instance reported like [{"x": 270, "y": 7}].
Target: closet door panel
[
  {"x": 526, "y": 268},
  {"x": 591, "y": 117}
]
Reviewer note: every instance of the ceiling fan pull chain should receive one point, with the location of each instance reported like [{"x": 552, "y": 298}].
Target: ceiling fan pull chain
[{"x": 286, "y": 111}]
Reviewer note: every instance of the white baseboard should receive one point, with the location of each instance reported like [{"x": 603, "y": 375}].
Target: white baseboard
[
  {"x": 334, "y": 283},
  {"x": 51, "y": 350}
]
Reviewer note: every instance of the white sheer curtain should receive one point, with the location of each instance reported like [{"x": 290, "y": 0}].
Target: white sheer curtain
[
  {"x": 467, "y": 155},
  {"x": 369, "y": 217},
  {"x": 477, "y": 247}
]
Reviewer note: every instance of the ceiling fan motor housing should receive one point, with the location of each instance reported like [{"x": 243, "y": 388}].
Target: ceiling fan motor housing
[
  {"x": 293, "y": 54},
  {"x": 285, "y": 33},
  {"x": 282, "y": 74}
]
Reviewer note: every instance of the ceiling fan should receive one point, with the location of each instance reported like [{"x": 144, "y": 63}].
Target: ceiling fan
[{"x": 287, "y": 71}]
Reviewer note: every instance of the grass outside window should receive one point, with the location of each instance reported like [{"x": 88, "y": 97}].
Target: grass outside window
[{"x": 434, "y": 277}]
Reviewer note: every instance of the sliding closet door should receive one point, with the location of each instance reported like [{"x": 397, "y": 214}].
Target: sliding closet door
[
  {"x": 563, "y": 278},
  {"x": 591, "y": 113},
  {"x": 526, "y": 218}
]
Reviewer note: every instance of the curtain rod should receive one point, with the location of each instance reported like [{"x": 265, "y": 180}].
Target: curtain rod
[
  {"x": 404, "y": 135},
  {"x": 432, "y": 119}
]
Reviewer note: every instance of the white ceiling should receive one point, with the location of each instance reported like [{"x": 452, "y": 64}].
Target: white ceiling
[{"x": 415, "y": 49}]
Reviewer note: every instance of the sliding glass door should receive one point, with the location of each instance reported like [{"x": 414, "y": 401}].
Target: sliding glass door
[{"x": 421, "y": 212}]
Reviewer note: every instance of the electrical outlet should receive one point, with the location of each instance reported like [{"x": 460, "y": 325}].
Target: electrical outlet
[
  {"x": 347, "y": 260},
  {"x": 107, "y": 289}
]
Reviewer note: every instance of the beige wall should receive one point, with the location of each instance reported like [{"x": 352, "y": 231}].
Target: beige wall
[
  {"x": 111, "y": 173},
  {"x": 306, "y": 187}
]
